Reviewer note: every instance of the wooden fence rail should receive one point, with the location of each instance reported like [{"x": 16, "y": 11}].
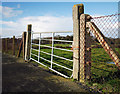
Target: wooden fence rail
[
  {"x": 14, "y": 45},
  {"x": 81, "y": 44}
]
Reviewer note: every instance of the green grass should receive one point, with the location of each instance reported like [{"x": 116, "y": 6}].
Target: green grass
[
  {"x": 62, "y": 45},
  {"x": 62, "y": 62},
  {"x": 104, "y": 76},
  {"x": 10, "y": 52}
]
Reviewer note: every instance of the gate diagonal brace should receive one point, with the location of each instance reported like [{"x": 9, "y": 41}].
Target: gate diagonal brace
[{"x": 105, "y": 44}]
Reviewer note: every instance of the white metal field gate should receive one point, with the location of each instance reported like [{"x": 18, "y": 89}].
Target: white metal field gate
[{"x": 52, "y": 53}]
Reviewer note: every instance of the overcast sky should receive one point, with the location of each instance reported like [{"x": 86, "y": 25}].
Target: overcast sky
[{"x": 46, "y": 16}]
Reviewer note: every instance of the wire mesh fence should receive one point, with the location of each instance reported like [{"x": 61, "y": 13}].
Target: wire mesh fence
[
  {"x": 105, "y": 74},
  {"x": 97, "y": 48}
]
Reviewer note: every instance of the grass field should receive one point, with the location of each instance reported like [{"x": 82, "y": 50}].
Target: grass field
[
  {"x": 65, "y": 54},
  {"x": 105, "y": 77}
]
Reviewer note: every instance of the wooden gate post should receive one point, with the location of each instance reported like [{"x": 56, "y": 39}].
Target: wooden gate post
[
  {"x": 13, "y": 45},
  {"x": 77, "y": 11},
  {"x": 28, "y": 42},
  {"x": 6, "y": 46},
  {"x": 24, "y": 41},
  {"x": 85, "y": 51}
]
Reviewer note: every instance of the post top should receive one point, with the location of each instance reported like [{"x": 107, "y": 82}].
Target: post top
[
  {"x": 78, "y": 9},
  {"x": 29, "y": 24},
  {"x": 78, "y": 5},
  {"x": 29, "y": 27}
]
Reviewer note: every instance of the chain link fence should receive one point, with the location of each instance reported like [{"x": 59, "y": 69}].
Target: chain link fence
[{"x": 105, "y": 75}]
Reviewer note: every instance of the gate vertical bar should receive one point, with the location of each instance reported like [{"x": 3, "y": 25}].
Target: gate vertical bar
[
  {"x": 31, "y": 45},
  {"x": 77, "y": 11},
  {"x": 39, "y": 48},
  {"x": 52, "y": 49}
]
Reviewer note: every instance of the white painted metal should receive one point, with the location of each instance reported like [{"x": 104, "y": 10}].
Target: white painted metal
[
  {"x": 52, "y": 49},
  {"x": 52, "y": 55},
  {"x": 35, "y": 44},
  {"x": 64, "y": 41},
  {"x": 34, "y": 54},
  {"x": 59, "y": 73},
  {"x": 39, "y": 48},
  {"x": 58, "y": 40},
  {"x": 31, "y": 45},
  {"x": 53, "y": 32},
  {"x": 38, "y": 62},
  {"x": 53, "y": 62},
  {"x": 34, "y": 49},
  {"x": 62, "y": 66},
  {"x": 63, "y": 58},
  {"x": 57, "y": 48},
  {"x": 45, "y": 53},
  {"x": 57, "y": 56},
  {"x": 45, "y": 59}
]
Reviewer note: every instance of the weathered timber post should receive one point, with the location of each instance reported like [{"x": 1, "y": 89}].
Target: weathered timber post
[
  {"x": 24, "y": 41},
  {"x": 20, "y": 48},
  {"x": 28, "y": 42},
  {"x": 77, "y": 11},
  {"x": 3, "y": 45},
  {"x": 13, "y": 46},
  {"x": 6, "y": 42},
  {"x": 85, "y": 51}
]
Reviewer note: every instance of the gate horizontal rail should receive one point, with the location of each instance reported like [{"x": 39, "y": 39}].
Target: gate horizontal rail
[
  {"x": 52, "y": 32},
  {"x": 53, "y": 63},
  {"x": 50, "y": 54},
  {"x": 58, "y": 40},
  {"x": 51, "y": 69},
  {"x": 53, "y": 47}
]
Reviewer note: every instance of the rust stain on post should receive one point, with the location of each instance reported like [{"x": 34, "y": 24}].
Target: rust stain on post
[{"x": 77, "y": 11}]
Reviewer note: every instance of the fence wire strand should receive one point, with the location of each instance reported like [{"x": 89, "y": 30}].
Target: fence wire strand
[{"x": 105, "y": 75}]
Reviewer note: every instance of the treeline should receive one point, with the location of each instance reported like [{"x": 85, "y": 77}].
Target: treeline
[{"x": 58, "y": 37}]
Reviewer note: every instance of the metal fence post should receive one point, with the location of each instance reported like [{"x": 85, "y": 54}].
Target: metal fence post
[
  {"x": 77, "y": 11},
  {"x": 28, "y": 42},
  {"x": 85, "y": 51}
]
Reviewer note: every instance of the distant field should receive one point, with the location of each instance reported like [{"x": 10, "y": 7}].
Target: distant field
[{"x": 104, "y": 76}]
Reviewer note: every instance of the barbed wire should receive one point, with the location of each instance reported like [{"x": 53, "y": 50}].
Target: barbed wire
[
  {"x": 19, "y": 36},
  {"x": 105, "y": 16}
]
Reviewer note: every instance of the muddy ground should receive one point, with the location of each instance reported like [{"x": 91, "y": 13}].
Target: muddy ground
[{"x": 19, "y": 76}]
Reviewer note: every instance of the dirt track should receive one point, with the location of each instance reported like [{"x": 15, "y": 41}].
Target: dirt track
[{"x": 19, "y": 76}]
